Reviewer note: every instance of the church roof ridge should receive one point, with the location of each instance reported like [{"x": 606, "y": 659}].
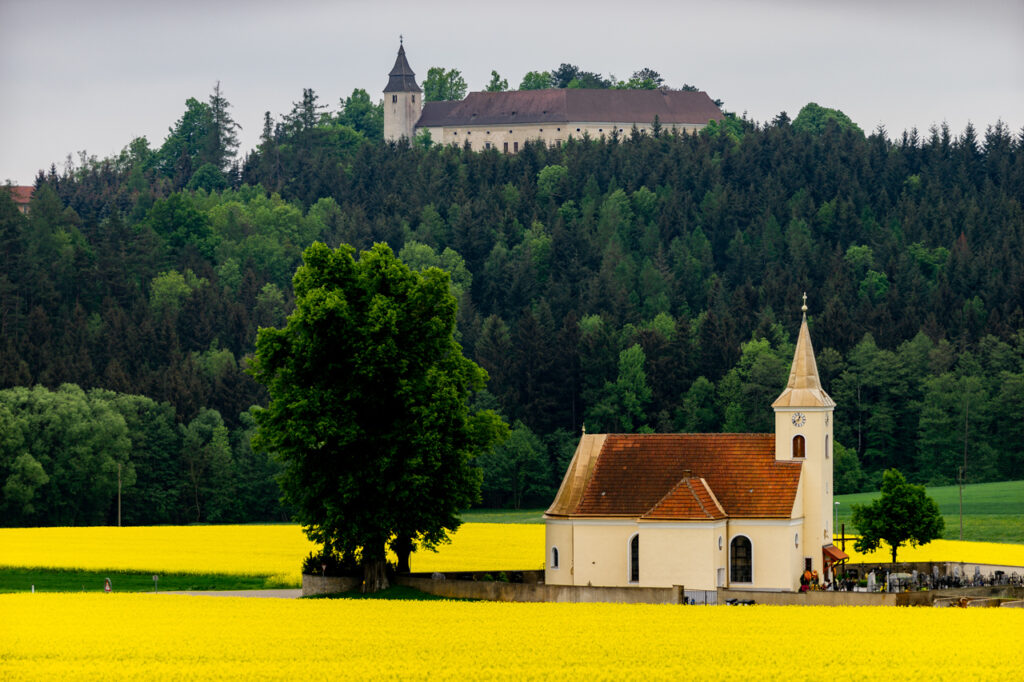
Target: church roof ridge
[{"x": 804, "y": 386}]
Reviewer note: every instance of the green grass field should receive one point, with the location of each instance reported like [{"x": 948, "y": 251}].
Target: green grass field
[
  {"x": 55, "y": 580},
  {"x": 993, "y": 512},
  {"x": 503, "y": 516}
]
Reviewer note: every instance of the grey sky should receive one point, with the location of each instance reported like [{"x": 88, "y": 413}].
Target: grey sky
[{"x": 92, "y": 75}]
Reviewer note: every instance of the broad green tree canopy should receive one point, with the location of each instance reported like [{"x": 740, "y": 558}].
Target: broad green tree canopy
[
  {"x": 443, "y": 85},
  {"x": 368, "y": 405},
  {"x": 904, "y": 513}
]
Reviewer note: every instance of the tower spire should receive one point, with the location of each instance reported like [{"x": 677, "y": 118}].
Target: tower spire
[{"x": 804, "y": 386}]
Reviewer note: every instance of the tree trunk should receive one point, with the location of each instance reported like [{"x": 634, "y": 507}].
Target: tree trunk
[
  {"x": 375, "y": 575},
  {"x": 402, "y": 547}
]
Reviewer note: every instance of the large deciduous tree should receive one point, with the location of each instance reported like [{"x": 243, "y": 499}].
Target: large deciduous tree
[
  {"x": 368, "y": 406},
  {"x": 443, "y": 85},
  {"x": 904, "y": 513}
]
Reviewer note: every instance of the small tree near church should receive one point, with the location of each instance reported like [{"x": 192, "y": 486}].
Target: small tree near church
[
  {"x": 904, "y": 513},
  {"x": 368, "y": 407}
]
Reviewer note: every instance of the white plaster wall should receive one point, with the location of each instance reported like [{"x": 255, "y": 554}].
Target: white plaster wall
[
  {"x": 558, "y": 533},
  {"x": 554, "y": 133}
]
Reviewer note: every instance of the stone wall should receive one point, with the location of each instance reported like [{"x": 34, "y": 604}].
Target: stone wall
[
  {"x": 318, "y": 584},
  {"x": 526, "y": 592}
]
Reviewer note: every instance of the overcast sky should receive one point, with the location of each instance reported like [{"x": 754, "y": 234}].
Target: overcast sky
[{"x": 94, "y": 74}]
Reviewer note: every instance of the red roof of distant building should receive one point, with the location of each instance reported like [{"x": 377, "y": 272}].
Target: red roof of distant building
[
  {"x": 672, "y": 107},
  {"x": 21, "y": 194},
  {"x": 683, "y": 476}
]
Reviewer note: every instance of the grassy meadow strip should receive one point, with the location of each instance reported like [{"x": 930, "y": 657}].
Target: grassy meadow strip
[
  {"x": 276, "y": 551},
  {"x": 140, "y": 637}
]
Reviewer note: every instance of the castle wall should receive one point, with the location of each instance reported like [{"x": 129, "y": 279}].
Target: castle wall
[{"x": 510, "y": 138}]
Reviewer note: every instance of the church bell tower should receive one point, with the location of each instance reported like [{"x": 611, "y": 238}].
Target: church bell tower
[
  {"x": 403, "y": 100},
  {"x": 803, "y": 433}
]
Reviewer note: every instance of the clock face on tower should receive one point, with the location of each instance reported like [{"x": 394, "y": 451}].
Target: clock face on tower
[{"x": 799, "y": 419}]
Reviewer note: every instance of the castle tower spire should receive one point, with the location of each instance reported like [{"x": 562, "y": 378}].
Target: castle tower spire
[{"x": 402, "y": 99}]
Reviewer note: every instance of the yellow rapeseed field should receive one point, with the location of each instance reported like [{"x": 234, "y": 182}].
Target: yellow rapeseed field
[
  {"x": 98, "y": 636},
  {"x": 248, "y": 550},
  {"x": 278, "y": 550},
  {"x": 946, "y": 550}
]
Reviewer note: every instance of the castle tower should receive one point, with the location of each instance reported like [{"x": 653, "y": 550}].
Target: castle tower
[
  {"x": 803, "y": 432},
  {"x": 402, "y": 100}
]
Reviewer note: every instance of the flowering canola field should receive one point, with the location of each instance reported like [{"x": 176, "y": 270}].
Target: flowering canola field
[
  {"x": 140, "y": 636},
  {"x": 278, "y": 550},
  {"x": 945, "y": 550},
  {"x": 275, "y": 551}
]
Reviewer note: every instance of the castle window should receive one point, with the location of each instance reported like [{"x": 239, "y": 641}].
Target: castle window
[
  {"x": 414, "y": 99},
  {"x": 798, "y": 447},
  {"x": 741, "y": 560},
  {"x": 394, "y": 98},
  {"x": 515, "y": 146},
  {"x": 634, "y": 559},
  {"x": 554, "y": 557},
  {"x": 506, "y": 147},
  {"x": 487, "y": 145}
]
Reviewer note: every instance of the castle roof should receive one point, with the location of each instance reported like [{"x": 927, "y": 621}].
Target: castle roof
[
  {"x": 672, "y": 107},
  {"x": 677, "y": 477},
  {"x": 804, "y": 387},
  {"x": 401, "y": 78}
]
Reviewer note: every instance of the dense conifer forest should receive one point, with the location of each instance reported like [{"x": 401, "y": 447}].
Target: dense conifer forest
[{"x": 635, "y": 283}]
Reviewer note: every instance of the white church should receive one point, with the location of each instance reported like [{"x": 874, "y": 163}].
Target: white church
[{"x": 703, "y": 510}]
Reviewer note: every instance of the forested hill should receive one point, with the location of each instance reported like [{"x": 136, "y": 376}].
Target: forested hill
[{"x": 642, "y": 282}]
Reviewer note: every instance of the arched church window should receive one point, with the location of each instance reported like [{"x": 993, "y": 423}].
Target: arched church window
[
  {"x": 798, "y": 446},
  {"x": 634, "y": 559},
  {"x": 554, "y": 557},
  {"x": 740, "y": 560}
]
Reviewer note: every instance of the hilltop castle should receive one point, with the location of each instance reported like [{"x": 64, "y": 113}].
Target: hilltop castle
[{"x": 506, "y": 120}]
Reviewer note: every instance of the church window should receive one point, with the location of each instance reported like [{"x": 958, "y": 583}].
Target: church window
[
  {"x": 487, "y": 145},
  {"x": 798, "y": 447},
  {"x": 558, "y": 129},
  {"x": 554, "y": 557},
  {"x": 600, "y": 130},
  {"x": 634, "y": 559},
  {"x": 740, "y": 560},
  {"x": 515, "y": 146},
  {"x": 394, "y": 98},
  {"x": 719, "y": 542},
  {"x": 827, "y": 453},
  {"x": 506, "y": 147},
  {"x": 577, "y": 130}
]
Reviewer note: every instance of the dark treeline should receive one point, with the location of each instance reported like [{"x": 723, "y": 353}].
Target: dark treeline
[{"x": 644, "y": 282}]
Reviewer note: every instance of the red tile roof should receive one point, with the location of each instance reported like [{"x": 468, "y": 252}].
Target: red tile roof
[
  {"x": 572, "y": 105},
  {"x": 688, "y": 476},
  {"x": 690, "y": 499},
  {"x": 21, "y": 194}
]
